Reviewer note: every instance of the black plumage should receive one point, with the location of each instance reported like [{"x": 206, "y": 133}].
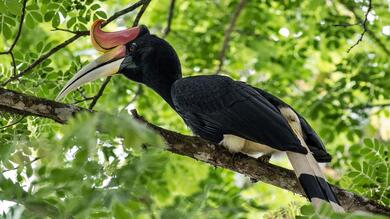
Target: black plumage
[{"x": 216, "y": 105}]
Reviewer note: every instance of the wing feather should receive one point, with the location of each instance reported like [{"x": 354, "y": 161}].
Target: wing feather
[{"x": 216, "y": 105}]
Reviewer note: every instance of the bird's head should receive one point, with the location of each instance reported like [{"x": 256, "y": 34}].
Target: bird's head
[{"x": 133, "y": 52}]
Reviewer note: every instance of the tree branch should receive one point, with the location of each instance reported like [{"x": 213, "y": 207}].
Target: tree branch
[
  {"x": 99, "y": 93},
  {"x": 23, "y": 13},
  {"x": 13, "y": 123},
  {"x": 124, "y": 11},
  {"x": 193, "y": 147},
  {"x": 170, "y": 18},
  {"x": 228, "y": 32},
  {"x": 364, "y": 25},
  {"x": 77, "y": 35},
  {"x": 10, "y": 52},
  {"x": 377, "y": 40},
  {"x": 45, "y": 56},
  {"x": 14, "y": 102},
  {"x": 368, "y": 106}
]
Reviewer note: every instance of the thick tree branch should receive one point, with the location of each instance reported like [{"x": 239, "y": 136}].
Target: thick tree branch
[
  {"x": 77, "y": 35},
  {"x": 190, "y": 146},
  {"x": 228, "y": 32},
  {"x": 11, "y": 101}
]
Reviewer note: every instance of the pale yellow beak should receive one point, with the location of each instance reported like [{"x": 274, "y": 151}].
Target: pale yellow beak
[{"x": 104, "y": 66}]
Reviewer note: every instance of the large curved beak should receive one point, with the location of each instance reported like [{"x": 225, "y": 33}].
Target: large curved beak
[
  {"x": 104, "y": 66},
  {"x": 107, "y": 64}
]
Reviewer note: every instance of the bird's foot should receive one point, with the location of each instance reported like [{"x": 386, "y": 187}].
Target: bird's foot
[
  {"x": 265, "y": 158},
  {"x": 236, "y": 155}
]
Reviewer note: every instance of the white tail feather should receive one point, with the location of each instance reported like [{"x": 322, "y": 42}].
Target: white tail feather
[{"x": 305, "y": 164}]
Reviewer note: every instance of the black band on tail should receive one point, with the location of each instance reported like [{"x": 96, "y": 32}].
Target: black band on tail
[{"x": 317, "y": 187}]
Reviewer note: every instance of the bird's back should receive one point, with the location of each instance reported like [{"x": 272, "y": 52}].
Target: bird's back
[{"x": 214, "y": 106}]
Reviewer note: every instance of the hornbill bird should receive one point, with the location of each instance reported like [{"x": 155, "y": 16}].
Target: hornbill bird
[{"x": 231, "y": 113}]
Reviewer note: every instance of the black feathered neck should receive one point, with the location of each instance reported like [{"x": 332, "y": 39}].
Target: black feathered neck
[{"x": 158, "y": 65}]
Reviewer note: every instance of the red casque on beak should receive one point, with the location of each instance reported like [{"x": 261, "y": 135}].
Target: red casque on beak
[
  {"x": 113, "y": 46},
  {"x": 105, "y": 41}
]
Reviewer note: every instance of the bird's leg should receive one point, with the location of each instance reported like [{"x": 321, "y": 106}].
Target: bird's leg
[
  {"x": 233, "y": 159},
  {"x": 265, "y": 158},
  {"x": 236, "y": 155}
]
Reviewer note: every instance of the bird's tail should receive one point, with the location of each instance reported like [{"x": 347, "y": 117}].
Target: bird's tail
[{"x": 308, "y": 171}]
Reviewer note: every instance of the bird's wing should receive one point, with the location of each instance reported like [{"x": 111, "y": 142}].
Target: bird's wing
[
  {"x": 310, "y": 136},
  {"x": 215, "y": 105}
]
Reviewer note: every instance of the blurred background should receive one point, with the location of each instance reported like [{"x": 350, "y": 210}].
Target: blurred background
[{"x": 329, "y": 59}]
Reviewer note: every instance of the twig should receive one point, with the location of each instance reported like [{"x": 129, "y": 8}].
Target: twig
[
  {"x": 83, "y": 100},
  {"x": 45, "y": 56},
  {"x": 104, "y": 85},
  {"x": 14, "y": 123},
  {"x": 15, "y": 168},
  {"x": 13, "y": 62},
  {"x": 9, "y": 51},
  {"x": 20, "y": 26},
  {"x": 69, "y": 41},
  {"x": 345, "y": 25},
  {"x": 135, "y": 97},
  {"x": 377, "y": 40},
  {"x": 67, "y": 30},
  {"x": 170, "y": 18},
  {"x": 367, "y": 106},
  {"x": 123, "y": 12},
  {"x": 141, "y": 12},
  {"x": 100, "y": 93},
  {"x": 364, "y": 25},
  {"x": 228, "y": 32}
]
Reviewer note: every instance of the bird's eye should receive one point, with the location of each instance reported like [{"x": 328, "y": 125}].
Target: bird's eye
[{"x": 132, "y": 47}]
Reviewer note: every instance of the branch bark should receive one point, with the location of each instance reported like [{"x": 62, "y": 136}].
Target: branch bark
[{"x": 190, "y": 146}]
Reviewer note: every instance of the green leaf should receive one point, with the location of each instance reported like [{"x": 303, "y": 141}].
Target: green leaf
[
  {"x": 307, "y": 210},
  {"x": 120, "y": 211},
  {"x": 71, "y": 22},
  {"x": 56, "y": 20},
  {"x": 7, "y": 32},
  {"x": 49, "y": 16},
  {"x": 101, "y": 14},
  {"x": 14, "y": 7},
  {"x": 37, "y": 16}
]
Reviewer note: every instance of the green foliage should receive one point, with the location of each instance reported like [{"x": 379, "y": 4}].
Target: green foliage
[
  {"x": 106, "y": 166},
  {"x": 370, "y": 170},
  {"x": 326, "y": 212}
]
